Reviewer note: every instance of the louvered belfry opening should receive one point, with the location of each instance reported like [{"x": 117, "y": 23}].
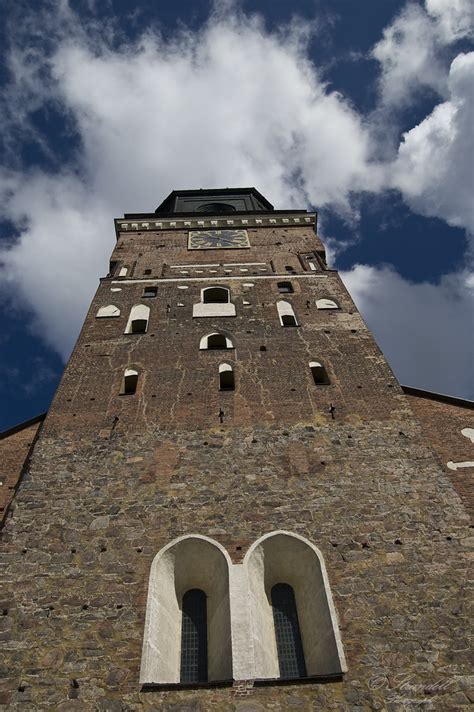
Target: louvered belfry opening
[
  {"x": 287, "y": 632},
  {"x": 194, "y": 637}
]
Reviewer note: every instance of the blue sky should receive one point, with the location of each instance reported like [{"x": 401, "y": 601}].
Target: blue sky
[{"x": 363, "y": 111}]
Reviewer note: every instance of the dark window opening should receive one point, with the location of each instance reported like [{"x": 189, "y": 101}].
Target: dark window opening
[
  {"x": 288, "y": 320},
  {"x": 194, "y": 637},
  {"x": 215, "y": 295},
  {"x": 287, "y": 632},
  {"x": 216, "y": 208},
  {"x": 285, "y": 287},
  {"x": 226, "y": 380},
  {"x": 147, "y": 271},
  {"x": 139, "y": 326},
  {"x": 319, "y": 373},
  {"x": 289, "y": 268},
  {"x": 216, "y": 341},
  {"x": 150, "y": 291},
  {"x": 129, "y": 385}
]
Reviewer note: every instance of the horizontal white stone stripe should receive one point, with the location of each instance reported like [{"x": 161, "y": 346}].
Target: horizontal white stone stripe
[{"x": 286, "y": 277}]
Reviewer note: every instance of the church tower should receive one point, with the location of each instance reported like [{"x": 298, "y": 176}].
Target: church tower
[{"x": 231, "y": 505}]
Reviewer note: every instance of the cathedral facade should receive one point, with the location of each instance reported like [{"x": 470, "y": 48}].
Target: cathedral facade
[{"x": 232, "y": 504}]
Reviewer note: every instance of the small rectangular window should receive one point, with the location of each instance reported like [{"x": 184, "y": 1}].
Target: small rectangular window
[
  {"x": 147, "y": 271},
  {"x": 150, "y": 292}
]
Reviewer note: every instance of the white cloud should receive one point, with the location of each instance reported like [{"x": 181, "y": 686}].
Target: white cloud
[
  {"x": 425, "y": 330},
  {"x": 434, "y": 169},
  {"x": 412, "y": 52},
  {"x": 455, "y": 18}
]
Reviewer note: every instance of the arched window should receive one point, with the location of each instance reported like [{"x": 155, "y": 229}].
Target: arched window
[
  {"x": 287, "y": 632},
  {"x": 326, "y": 304},
  {"x": 194, "y": 637},
  {"x": 319, "y": 373},
  {"x": 138, "y": 319},
  {"x": 226, "y": 377},
  {"x": 285, "y": 287},
  {"x": 215, "y": 295},
  {"x": 216, "y": 340},
  {"x": 129, "y": 382},
  {"x": 123, "y": 271},
  {"x": 293, "y": 620},
  {"x": 215, "y": 301},
  {"x": 289, "y": 269},
  {"x": 188, "y": 607},
  {"x": 108, "y": 311},
  {"x": 286, "y": 314}
]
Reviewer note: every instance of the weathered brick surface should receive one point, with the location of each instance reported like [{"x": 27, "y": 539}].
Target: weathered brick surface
[
  {"x": 114, "y": 478},
  {"x": 442, "y": 423},
  {"x": 15, "y": 446}
]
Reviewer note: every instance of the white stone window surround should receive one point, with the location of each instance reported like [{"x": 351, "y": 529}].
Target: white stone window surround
[
  {"x": 108, "y": 311},
  {"x": 190, "y": 561},
  {"x": 278, "y": 557},
  {"x": 139, "y": 312},
  {"x": 203, "y": 309},
  {"x": 327, "y": 303},
  {"x": 203, "y": 344},
  {"x": 286, "y": 313}
]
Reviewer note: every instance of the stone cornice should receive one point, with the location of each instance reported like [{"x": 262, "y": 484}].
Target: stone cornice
[{"x": 210, "y": 222}]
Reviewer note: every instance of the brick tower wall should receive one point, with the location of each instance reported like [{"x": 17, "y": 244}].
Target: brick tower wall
[{"x": 115, "y": 478}]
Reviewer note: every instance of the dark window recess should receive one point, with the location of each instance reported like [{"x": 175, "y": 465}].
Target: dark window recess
[
  {"x": 147, "y": 271},
  {"x": 216, "y": 208},
  {"x": 290, "y": 269},
  {"x": 129, "y": 384},
  {"x": 285, "y": 287},
  {"x": 287, "y": 632},
  {"x": 288, "y": 320},
  {"x": 139, "y": 326},
  {"x": 319, "y": 373},
  {"x": 113, "y": 267},
  {"x": 226, "y": 381},
  {"x": 150, "y": 291},
  {"x": 194, "y": 637},
  {"x": 216, "y": 341},
  {"x": 215, "y": 295}
]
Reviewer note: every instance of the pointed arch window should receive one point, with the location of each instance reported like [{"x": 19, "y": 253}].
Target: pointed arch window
[
  {"x": 226, "y": 377},
  {"x": 286, "y": 313},
  {"x": 194, "y": 637},
  {"x": 287, "y": 632},
  {"x": 319, "y": 373},
  {"x": 138, "y": 319},
  {"x": 129, "y": 382}
]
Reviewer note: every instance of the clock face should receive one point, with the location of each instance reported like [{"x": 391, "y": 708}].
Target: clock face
[{"x": 215, "y": 239}]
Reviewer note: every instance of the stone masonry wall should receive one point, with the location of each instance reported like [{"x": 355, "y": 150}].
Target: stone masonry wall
[
  {"x": 115, "y": 478},
  {"x": 442, "y": 423},
  {"x": 15, "y": 446}
]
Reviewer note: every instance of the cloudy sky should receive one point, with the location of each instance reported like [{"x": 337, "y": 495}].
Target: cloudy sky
[{"x": 361, "y": 110}]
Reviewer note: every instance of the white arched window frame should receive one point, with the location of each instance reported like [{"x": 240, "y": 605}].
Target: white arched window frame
[
  {"x": 215, "y": 301},
  {"x": 129, "y": 382},
  {"x": 286, "y": 313},
  {"x": 108, "y": 311},
  {"x": 206, "y": 341},
  {"x": 123, "y": 271},
  {"x": 138, "y": 320},
  {"x": 284, "y": 557},
  {"x": 186, "y": 563},
  {"x": 327, "y": 304}
]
